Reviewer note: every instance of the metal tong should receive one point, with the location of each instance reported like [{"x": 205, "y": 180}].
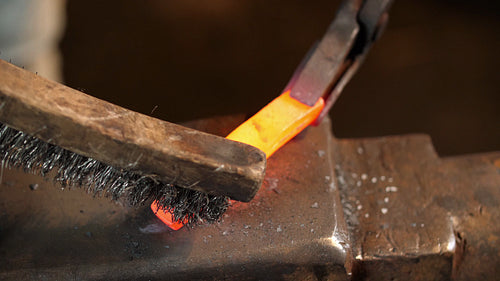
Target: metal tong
[{"x": 331, "y": 62}]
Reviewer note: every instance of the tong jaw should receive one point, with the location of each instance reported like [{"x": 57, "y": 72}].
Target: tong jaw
[{"x": 330, "y": 64}]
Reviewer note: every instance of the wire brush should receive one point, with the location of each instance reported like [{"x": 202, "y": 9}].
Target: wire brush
[{"x": 115, "y": 152}]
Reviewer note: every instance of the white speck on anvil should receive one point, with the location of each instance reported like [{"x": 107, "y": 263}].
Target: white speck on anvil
[
  {"x": 359, "y": 207},
  {"x": 367, "y": 215},
  {"x": 391, "y": 189},
  {"x": 272, "y": 183},
  {"x": 364, "y": 176},
  {"x": 312, "y": 230},
  {"x": 422, "y": 225},
  {"x": 374, "y": 180},
  {"x": 225, "y": 233},
  {"x": 341, "y": 180},
  {"x": 386, "y": 199},
  {"x": 321, "y": 153},
  {"x": 360, "y": 150},
  {"x": 315, "y": 205},
  {"x": 384, "y": 210}
]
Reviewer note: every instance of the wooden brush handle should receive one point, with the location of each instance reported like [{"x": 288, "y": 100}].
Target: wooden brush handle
[{"x": 128, "y": 140}]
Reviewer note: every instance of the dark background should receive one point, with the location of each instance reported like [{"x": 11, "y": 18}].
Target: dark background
[{"x": 434, "y": 71}]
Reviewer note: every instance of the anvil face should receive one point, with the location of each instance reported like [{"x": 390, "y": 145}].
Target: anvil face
[
  {"x": 291, "y": 229},
  {"x": 329, "y": 209}
]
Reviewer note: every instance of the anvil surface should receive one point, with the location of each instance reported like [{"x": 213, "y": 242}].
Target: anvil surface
[
  {"x": 292, "y": 228},
  {"x": 370, "y": 209}
]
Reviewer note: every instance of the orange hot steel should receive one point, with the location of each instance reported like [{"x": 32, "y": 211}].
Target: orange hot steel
[{"x": 269, "y": 129}]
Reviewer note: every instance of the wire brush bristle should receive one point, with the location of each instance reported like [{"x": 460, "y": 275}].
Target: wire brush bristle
[{"x": 22, "y": 151}]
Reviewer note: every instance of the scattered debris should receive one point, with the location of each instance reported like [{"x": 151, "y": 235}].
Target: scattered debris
[
  {"x": 34, "y": 186},
  {"x": 364, "y": 176},
  {"x": 360, "y": 150},
  {"x": 321, "y": 153},
  {"x": 272, "y": 183},
  {"x": 279, "y": 229},
  {"x": 341, "y": 180},
  {"x": 315, "y": 205},
  {"x": 391, "y": 189},
  {"x": 384, "y": 210}
]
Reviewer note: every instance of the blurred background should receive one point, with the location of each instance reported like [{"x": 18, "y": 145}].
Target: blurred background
[{"x": 434, "y": 71}]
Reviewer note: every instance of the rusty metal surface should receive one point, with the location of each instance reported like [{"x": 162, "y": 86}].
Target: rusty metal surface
[
  {"x": 402, "y": 213},
  {"x": 293, "y": 229},
  {"x": 415, "y": 216}
]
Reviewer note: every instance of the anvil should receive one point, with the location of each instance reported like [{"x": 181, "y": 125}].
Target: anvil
[{"x": 330, "y": 209}]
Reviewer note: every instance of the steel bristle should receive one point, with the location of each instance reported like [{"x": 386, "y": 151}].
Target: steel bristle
[{"x": 32, "y": 155}]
